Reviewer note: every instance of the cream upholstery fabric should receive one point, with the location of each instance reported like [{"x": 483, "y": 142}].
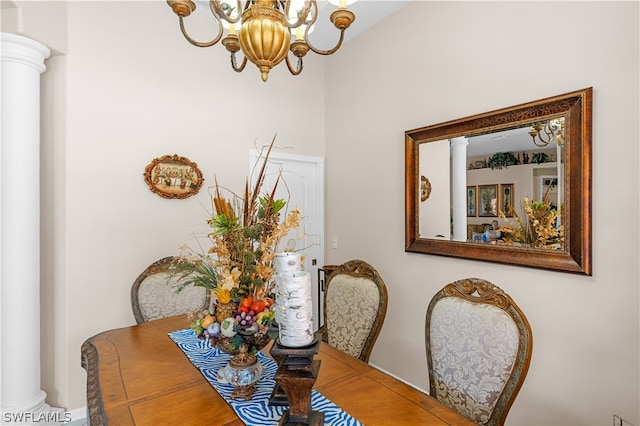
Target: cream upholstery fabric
[
  {"x": 473, "y": 348},
  {"x": 157, "y": 297},
  {"x": 153, "y": 294},
  {"x": 352, "y": 304}
]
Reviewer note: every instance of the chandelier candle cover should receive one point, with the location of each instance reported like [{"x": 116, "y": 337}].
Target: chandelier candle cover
[
  {"x": 263, "y": 29},
  {"x": 294, "y": 308}
]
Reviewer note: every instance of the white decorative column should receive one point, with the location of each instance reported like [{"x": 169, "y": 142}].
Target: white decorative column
[
  {"x": 22, "y": 61},
  {"x": 459, "y": 187}
]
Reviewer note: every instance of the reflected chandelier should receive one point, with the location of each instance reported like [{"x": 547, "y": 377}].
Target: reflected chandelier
[
  {"x": 548, "y": 131},
  {"x": 263, "y": 29}
]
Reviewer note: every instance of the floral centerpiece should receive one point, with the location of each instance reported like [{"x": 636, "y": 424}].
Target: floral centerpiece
[{"x": 238, "y": 267}]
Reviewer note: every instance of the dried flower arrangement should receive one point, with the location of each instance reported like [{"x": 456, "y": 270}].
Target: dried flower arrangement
[
  {"x": 539, "y": 227},
  {"x": 238, "y": 267}
]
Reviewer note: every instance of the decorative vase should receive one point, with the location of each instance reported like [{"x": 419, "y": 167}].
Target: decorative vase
[
  {"x": 243, "y": 371},
  {"x": 253, "y": 343}
]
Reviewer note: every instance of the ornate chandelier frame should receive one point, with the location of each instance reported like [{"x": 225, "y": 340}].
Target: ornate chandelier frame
[
  {"x": 547, "y": 132},
  {"x": 265, "y": 28}
]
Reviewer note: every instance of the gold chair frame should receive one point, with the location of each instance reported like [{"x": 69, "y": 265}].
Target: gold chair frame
[
  {"x": 480, "y": 291},
  {"x": 360, "y": 269}
]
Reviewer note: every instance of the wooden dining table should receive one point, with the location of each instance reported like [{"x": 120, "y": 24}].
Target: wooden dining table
[{"x": 138, "y": 376}]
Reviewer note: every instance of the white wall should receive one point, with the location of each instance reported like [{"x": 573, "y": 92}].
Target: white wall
[
  {"x": 129, "y": 89},
  {"x": 435, "y": 213},
  {"x": 437, "y": 61}
]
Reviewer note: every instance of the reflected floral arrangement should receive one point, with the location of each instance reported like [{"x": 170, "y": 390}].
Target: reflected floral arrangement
[{"x": 538, "y": 228}]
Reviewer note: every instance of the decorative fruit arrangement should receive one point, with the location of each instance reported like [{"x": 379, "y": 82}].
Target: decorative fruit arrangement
[{"x": 249, "y": 319}]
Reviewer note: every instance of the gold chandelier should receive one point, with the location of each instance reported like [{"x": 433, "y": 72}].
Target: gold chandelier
[
  {"x": 262, "y": 29},
  {"x": 548, "y": 131}
]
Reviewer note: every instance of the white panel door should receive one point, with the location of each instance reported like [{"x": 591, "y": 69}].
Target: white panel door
[{"x": 302, "y": 184}]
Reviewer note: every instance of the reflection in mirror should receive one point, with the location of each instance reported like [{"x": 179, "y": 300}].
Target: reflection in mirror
[
  {"x": 501, "y": 170},
  {"x": 510, "y": 186}
]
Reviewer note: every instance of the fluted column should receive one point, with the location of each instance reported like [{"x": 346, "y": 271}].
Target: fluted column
[
  {"x": 22, "y": 61},
  {"x": 459, "y": 187}
]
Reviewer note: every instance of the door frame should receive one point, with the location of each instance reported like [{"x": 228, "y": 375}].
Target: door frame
[{"x": 316, "y": 165}]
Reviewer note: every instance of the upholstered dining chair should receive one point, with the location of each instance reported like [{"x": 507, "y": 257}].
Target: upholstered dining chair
[
  {"x": 153, "y": 294},
  {"x": 355, "y": 305},
  {"x": 479, "y": 347}
]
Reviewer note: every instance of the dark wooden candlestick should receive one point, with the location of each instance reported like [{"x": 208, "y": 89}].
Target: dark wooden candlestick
[
  {"x": 278, "y": 397},
  {"x": 296, "y": 375}
]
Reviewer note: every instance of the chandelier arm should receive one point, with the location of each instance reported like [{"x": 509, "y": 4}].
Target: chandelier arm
[
  {"x": 198, "y": 43},
  {"x": 302, "y": 16},
  {"x": 548, "y": 130},
  {"x": 298, "y": 68},
  {"x": 219, "y": 13},
  {"x": 326, "y": 52},
  {"x": 234, "y": 65},
  {"x": 541, "y": 144},
  {"x": 549, "y": 135}
]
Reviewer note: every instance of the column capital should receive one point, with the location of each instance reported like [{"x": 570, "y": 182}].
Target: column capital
[
  {"x": 17, "y": 48},
  {"x": 460, "y": 140}
]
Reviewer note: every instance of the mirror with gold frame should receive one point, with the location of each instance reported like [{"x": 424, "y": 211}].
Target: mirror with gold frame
[{"x": 557, "y": 176}]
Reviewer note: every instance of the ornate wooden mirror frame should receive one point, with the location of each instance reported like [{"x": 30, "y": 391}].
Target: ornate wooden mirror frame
[{"x": 575, "y": 256}]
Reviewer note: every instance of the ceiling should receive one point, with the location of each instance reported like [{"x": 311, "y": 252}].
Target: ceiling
[
  {"x": 368, "y": 13},
  {"x": 514, "y": 140}
]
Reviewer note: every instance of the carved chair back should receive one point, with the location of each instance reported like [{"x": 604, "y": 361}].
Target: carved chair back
[
  {"x": 479, "y": 347},
  {"x": 355, "y": 305},
  {"x": 153, "y": 294}
]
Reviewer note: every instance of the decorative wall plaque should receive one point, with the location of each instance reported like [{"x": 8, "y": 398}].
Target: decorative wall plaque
[{"x": 172, "y": 176}]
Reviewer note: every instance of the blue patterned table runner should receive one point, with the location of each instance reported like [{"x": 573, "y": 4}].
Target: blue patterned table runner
[{"x": 257, "y": 411}]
